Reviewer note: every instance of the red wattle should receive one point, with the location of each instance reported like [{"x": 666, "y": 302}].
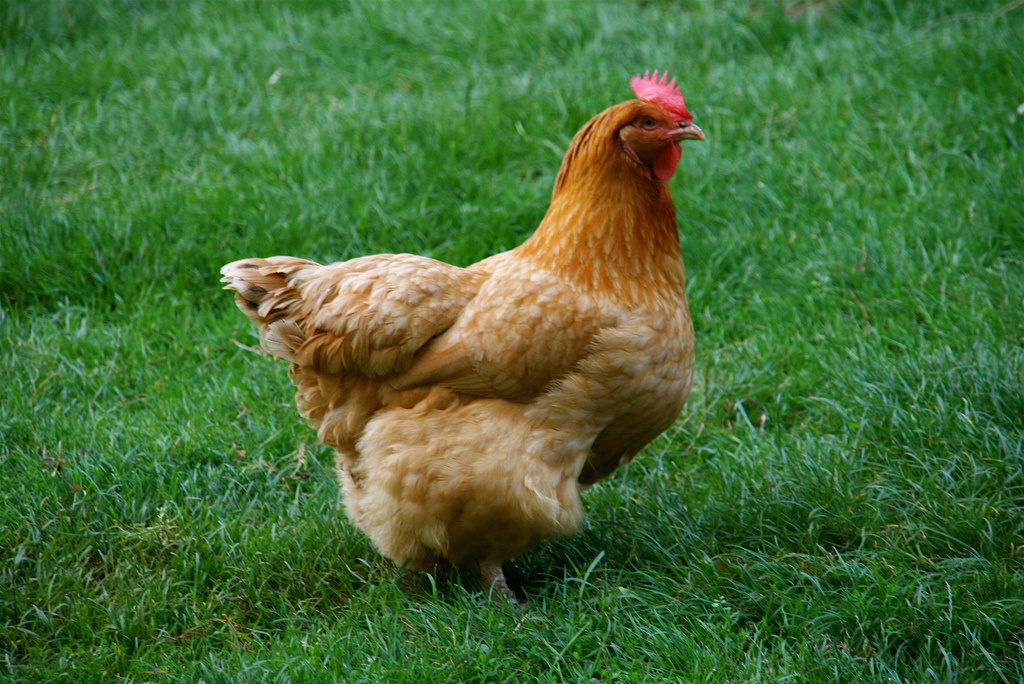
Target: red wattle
[{"x": 665, "y": 163}]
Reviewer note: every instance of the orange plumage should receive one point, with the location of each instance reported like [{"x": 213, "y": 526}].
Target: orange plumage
[{"x": 467, "y": 406}]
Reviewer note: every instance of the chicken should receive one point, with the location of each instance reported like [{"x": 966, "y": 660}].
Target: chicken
[{"x": 467, "y": 407}]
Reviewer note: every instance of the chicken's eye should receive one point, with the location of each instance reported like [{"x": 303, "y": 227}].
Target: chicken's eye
[{"x": 649, "y": 123}]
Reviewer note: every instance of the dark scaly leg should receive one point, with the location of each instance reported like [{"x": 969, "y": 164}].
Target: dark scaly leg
[{"x": 497, "y": 587}]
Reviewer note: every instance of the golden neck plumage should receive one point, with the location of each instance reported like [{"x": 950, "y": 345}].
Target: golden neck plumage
[{"x": 611, "y": 225}]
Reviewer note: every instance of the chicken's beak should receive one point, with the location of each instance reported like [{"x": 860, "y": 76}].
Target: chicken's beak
[{"x": 687, "y": 131}]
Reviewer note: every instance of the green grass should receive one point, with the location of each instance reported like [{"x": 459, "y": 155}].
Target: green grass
[{"x": 843, "y": 499}]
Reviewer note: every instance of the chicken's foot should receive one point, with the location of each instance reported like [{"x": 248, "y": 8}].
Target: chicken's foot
[{"x": 497, "y": 587}]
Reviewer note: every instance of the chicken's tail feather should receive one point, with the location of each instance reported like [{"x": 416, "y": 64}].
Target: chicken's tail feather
[{"x": 267, "y": 291}]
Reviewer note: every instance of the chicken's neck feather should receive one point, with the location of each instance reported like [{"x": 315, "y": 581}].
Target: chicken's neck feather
[{"x": 610, "y": 222}]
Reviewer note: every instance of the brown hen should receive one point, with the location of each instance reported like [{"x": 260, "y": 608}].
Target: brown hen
[{"x": 467, "y": 406}]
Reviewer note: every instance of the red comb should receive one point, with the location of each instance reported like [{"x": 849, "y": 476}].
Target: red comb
[{"x": 663, "y": 93}]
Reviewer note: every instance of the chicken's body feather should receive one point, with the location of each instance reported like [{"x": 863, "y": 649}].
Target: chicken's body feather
[{"x": 467, "y": 406}]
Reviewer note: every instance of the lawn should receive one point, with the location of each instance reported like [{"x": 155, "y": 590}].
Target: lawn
[{"x": 843, "y": 499}]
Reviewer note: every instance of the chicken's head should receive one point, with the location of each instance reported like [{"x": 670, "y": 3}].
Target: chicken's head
[{"x": 658, "y": 122}]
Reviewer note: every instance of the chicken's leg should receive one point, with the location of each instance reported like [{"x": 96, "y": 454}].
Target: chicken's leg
[{"x": 497, "y": 587}]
